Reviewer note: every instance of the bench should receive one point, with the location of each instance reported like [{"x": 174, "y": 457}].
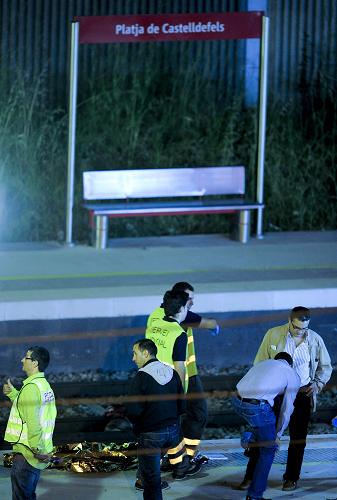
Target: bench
[{"x": 166, "y": 191}]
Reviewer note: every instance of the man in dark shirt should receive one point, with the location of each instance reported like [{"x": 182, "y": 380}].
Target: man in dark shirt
[
  {"x": 195, "y": 419},
  {"x": 157, "y": 401}
]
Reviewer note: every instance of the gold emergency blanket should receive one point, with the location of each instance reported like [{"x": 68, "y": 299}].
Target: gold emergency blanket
[{"x": 90, "y": 457}]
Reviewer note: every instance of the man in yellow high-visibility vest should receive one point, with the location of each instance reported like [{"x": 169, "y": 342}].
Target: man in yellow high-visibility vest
[
  {"x": 194, "y": 422},
  {"x": 31, "y": 424}
]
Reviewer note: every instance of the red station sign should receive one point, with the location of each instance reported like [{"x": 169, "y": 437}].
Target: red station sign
[{"x": 170, "y": 27}]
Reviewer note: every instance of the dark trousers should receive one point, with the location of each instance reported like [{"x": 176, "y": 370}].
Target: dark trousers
[
  {"x": 150, "y": 447},
  {"x": 298, "y": 431},
  {"x": 194, "y": 420},
  {"x": 24, "y": 479}
]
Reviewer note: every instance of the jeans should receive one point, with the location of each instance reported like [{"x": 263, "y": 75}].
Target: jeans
[
  {"x": 150, "y": 447},
  {"x": 263, "y": 422},
  {"x": 24, "y": 479},
  {"x": 298, "y": 430}
]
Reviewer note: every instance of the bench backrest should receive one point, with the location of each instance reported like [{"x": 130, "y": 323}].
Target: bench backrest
[{"x": 163, "y": 182}]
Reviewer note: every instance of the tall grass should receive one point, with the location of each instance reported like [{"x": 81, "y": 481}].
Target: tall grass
[
  {"x": 32, "y": 164},
  {"x": 157, "y": 119}
]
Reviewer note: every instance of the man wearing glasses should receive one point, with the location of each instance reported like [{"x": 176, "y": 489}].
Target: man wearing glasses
[
  {"x": 312, "y": 363},
  {"x": 31, "y": 424}
]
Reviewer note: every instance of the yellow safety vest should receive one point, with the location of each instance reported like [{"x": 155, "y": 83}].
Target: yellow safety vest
[
  {"x": 191, "y": 363},
  {"x": 16, "y": 430},
  {"x": 164, "y": 334}
]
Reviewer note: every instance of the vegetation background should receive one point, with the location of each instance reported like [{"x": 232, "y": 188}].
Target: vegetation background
[{"x": 163, "y": 118}]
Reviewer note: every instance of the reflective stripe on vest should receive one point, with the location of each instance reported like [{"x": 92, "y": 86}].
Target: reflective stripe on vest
[
  {"x": 16, "y": 430},
  {"x": 192, "y": 368}
]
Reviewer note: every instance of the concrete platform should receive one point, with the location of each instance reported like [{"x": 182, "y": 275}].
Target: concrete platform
[
  {"x": 214, "y": 481},
  {"x": 50, "y": 281}
]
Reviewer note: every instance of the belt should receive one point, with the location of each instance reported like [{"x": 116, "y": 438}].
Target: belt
[{"x": 252, "y": 401}]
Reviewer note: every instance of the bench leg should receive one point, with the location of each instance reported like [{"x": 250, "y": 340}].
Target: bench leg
[
  {"x": 240, "y": 226},
  {"x": 244, "y": 226},
  {"x": 101, "y": 231}
]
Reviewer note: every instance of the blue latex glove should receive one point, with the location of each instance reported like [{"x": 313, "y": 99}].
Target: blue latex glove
[
  {"x": 334, "y": 421},
  {"x": 215, "y": 331}
]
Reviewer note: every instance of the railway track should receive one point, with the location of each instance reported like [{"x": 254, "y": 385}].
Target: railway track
[{"x": 91, "y": 427}]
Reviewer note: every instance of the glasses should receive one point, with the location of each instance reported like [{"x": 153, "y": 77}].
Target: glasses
[
  {"x": 298, "y": 328},
  {"x": 30, "y": 358}
]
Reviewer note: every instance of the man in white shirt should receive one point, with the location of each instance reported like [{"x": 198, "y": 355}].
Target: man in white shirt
[{"x": 254, "y": 402}]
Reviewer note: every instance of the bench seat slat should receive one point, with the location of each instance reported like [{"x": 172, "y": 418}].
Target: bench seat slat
[{"x": 171, "y": 208}]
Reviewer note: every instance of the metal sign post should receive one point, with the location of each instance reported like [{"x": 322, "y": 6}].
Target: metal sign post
[
  {"x": 262, "y": 124},
  {"x": 72, "y": 130}
]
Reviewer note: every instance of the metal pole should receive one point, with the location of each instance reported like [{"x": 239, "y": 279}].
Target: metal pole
[
  {"x": 262, "y": 123},
  {"x": 72, "y": 130}
]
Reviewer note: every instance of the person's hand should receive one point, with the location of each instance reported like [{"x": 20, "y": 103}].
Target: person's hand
[
  {"x": 215, "y": 331},
  {"x": 311, "y": 389},
  {"x": 43, "y": 457},
  {"x": 8, "y": 387}
]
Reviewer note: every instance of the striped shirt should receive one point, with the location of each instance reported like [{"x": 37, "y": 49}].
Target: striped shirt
[{"x": 301, "y": 358}]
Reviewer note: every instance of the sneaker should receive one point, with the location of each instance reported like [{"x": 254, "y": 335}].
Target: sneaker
[
  {"x": 139, "y": 485},
  {"x": 289, "y": 485},
  {"x": 196, "y": 463}
]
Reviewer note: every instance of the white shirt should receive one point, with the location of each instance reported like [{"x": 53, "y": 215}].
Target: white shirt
[
  {"x": 301, "y": 358},
  {"x": 268, "y": 379}
]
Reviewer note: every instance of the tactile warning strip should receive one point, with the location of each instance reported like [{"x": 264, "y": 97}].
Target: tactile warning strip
[{"x": 238, "y": 458}]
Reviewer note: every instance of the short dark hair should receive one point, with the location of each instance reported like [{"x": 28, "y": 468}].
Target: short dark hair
[
  {"x": 301, "y": 313},
  {"x": 286, "y": 356},
  {"x": 173, "y": 301},
  {"x": 41, "y": 355},
  {"x": 181, "y": 286},
  {"x": 147, "y": 345}
]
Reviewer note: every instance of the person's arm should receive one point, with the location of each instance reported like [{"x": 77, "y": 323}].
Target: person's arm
[
  {"x": 324, "y": 368},
  {"x": 287, "y": 406},
  {"x": 9, "y": 390},
  {"x": 135, "y": 407},
  {"x": 179, "y": 367},
  {"x": 29, "y": 406},
  {"x": 179, "y": 357},
  {"x": 195, "y": 321},
  {"x": 181, "y": 402},
  {"x": 208, "y": 323}
]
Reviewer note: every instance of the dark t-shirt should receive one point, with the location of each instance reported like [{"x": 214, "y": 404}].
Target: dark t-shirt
[{"x": 192, "y": 320}]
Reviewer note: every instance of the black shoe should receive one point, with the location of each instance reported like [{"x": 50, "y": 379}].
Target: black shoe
[
  {"x": 289, "y": 485},
  {"x": 140, "y": 487},
  {"x": 165, "y": 465},
  {"x": 196, "y": 463},
  {"x": 180, "y": 472},
  {"x": 255, "y": 498},
  {"x": 243, "y": 486}
]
